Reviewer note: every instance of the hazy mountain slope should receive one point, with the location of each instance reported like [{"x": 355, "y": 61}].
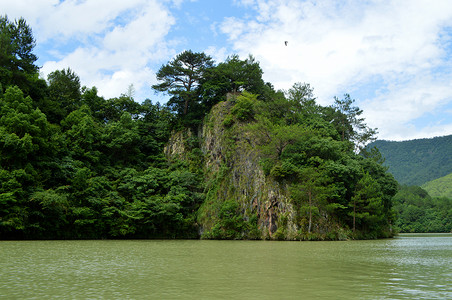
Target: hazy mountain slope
[
  {"x": 416, "y": 162},
  {"x": 441, "y": 187}
]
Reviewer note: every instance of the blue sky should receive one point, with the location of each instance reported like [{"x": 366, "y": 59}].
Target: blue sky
[{"x": 393, "y": 57}]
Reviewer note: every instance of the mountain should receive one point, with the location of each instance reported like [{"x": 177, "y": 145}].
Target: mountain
[
  {"x": 441, "y": 187},
  {"x": 416, "y": 162}
]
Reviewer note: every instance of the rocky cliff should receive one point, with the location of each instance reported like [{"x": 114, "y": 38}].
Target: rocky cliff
[
  {"x": 241, "y": 201},
  {"x": 232, "y": 164}
]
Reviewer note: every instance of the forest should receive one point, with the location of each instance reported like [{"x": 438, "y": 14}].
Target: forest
[
  {"x": 423, "y": 167},
  {"x": 416, "y": 162},
  {"x": 74, "y": 165},
  {"x": 419, "y": 212}
]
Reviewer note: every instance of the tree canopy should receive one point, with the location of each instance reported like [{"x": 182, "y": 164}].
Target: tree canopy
[
  {"x": 181, "y": 76},
  {"x": 17, "y": 60}
]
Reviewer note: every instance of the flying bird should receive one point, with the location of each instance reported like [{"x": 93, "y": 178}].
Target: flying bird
[{"x": 286, "y": 42}]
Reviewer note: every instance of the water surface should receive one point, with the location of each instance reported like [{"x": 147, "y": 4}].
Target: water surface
[{"x": 407, "y": 267}]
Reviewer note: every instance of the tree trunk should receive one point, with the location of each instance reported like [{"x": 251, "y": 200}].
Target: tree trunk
[{"x": 186, "y": 107}]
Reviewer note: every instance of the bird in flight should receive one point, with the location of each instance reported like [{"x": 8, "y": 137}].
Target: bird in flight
[{"x": 286, "y": 42}]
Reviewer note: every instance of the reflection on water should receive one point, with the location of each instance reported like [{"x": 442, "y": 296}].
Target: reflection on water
[{"x": 407, "y": 267}]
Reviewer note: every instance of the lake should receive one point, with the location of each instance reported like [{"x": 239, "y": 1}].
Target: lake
[{"x": 410, "y": 266}]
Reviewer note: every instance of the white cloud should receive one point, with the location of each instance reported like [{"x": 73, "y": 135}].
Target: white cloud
[
  {"x": 395, "y": 111},
  {"x": 69, "y": 18},
  {"x": 339, "y": 46},
  {"x": 218, "y": 55},
  {"x": 109, "y": 44}
]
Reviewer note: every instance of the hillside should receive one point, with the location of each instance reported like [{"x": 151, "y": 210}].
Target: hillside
[
  {"x": 416, "y": 162},
  {"x": 441, "y": 187},
  {"x": 227, "y": 157}
]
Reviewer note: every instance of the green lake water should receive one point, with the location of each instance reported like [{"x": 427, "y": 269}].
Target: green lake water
[{"x": 406, "y": 267}]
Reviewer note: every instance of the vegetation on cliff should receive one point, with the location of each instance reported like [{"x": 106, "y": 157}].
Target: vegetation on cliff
[
  {"x": 283, "y": 165},
  {"x": 227, "y": 158}
]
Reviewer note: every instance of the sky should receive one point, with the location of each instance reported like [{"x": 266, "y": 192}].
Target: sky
[{"x": 394, "y": 57}]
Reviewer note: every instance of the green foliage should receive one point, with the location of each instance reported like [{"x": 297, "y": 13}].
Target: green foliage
[
  {"x": 114, "y": 108},
  {"x": 91, "y": 177},
  {"x": 230, "y": 224},
  {"x": 441, "y": 187},
  {"x": 228, "y": 121},
  {"x": 367, "y": 205},
  {"x": 25, "y": 131},
  {"x": 232, "y": 76},
  {"x": 17, "y": 60},
  {"x": 302, "y": 102},
  {"x": 243, "y": 108},
  {"x": 64, "y": 94},
  {"x": 301, "y": 149},
  {"x": 347, "y": 121},
  {"x": 181, "y": 77},
  {"x": 418, "y": 212}
]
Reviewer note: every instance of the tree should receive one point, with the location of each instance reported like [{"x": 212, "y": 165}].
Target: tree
[
  {"x": 82, "y": 135},
  {"x": 27, "y": 146},
  {"x": 25, "y": 134},
  {"x": 114, "y": 108},
  {"x": 368, "y": 210},
  {"x": 241, "y": 75},
  {"x": 232, "y": 76},
  {"x": 64, "y": 94},
  {"x": 302, "y": 98},
  {"x": 17, "y": 61},
  {"x": 154, "y": 127},
  {"x": 348, "y": 122},
  {"x": 121, "y": 138},
  {"x": 311, "y": 192},
  {"x": 302, "y": 107},
  {"x": 95, "y": 103},
  {"x": 181, "y": 76}
]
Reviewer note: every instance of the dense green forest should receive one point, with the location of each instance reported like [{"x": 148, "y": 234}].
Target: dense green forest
[
  {"x": 76, "y": 165},
  {"x": 421, "y": 162},
  {"x": 419, "y": 212},
  {"x": 416, "y": 162}
]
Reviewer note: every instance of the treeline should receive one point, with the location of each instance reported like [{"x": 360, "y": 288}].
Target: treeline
[
  {"x": 421, "y": 162},
  {"x": 76, "y": 165},
  {"x": 417, "y": 211}
]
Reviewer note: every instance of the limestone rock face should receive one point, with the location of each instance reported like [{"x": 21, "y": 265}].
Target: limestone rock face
[
  {"x": 177, "y": 145},
  {"x": 232, "y": 170},
  {"x": 236, "y": 148}
]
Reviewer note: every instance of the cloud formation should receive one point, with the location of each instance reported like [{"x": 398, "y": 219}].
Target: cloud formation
[
  {"x": 396, "y": 49},
  {"x": 109, "y": 44}
]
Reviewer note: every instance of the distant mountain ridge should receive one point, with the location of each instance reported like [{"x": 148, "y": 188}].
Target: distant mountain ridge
[{"x": 419, "y": 161}]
